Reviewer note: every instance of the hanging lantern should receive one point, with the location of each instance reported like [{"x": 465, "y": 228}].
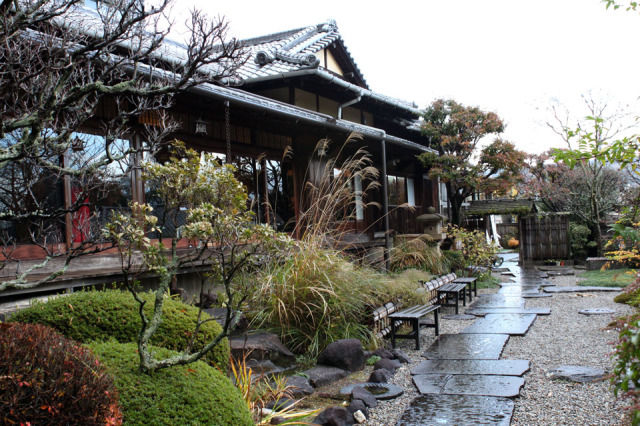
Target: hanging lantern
[
  {"x": 77, "y": 144},
  {"x": 201, "y": 127}
]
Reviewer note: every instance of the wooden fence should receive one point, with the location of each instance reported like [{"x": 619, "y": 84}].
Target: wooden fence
[{"x": 544, "y": 237}]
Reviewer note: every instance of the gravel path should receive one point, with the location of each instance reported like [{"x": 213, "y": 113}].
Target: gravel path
[{"x": 564, "y": 337}]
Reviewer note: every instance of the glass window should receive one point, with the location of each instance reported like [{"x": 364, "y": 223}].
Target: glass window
[
  {"x": 397, "y": 190},
  {"x": 411, "y": 195}
]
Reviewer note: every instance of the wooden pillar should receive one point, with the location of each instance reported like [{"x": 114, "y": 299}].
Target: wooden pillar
[
  {"x": 68, "y": 217},
  {"x": 137, "y": 184},
  {"x": 267, "y": 212}
]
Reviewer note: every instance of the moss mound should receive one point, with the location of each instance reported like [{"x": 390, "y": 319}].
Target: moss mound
[
  {"x": 182, "y": 395},
  {"x": 113, "y": 314}
]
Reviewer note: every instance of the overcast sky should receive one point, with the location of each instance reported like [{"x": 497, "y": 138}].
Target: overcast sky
[{"x": 513, "y": 57}]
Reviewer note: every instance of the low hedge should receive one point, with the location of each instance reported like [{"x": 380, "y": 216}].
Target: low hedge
[
  {"x": 86, "y": 316},
  {"x": 46, "y": 379},
  {"x": 181, "y": 395}
]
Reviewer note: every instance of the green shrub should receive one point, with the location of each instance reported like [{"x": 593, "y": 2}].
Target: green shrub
[
  {"x": 113, "y": 314},
  {"x": 46, "y": 378},
  {"x": 475, "y": 249},
  {"x": 626, "y": 372},
  {"x": 579, "y": 240},
  {"x": 181, "y": 395},
  {"x": 454, "y": 260}
]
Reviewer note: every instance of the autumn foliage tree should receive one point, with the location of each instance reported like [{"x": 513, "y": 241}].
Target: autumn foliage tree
[{"x": 455, "y": 131}]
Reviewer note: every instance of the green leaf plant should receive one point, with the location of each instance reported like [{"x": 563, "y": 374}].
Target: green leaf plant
[{"x": 219, "y": 236}]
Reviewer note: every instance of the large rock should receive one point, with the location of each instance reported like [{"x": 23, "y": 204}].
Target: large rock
[
  {"x": 334, "y": 416},
  {"x": 261, "y": 346},
  {"x": 346, "y": 354},
  {"x": 321, "y": 375},
  {"x": 299, "y": 386},
  {"x": 382, "y": 375},
  {"x": 388, "y": 364}
]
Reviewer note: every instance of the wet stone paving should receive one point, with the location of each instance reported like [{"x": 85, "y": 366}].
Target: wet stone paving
[{"x": 463, "y": 381}]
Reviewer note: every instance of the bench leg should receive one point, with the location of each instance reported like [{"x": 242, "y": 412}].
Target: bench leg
[
  {"x": 464, "y": 296},
  {"x": 393, "y": 333},
  {"x": 435, "y": 322},
  {"x": 456, "y": 299},
  {"x": 416, "y": 329},
  {"x": 470, "y": 294}
]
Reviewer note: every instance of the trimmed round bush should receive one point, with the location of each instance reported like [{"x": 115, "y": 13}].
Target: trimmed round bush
[
  {"x": 46, "y": 378},
  {"x": 86, "y": 316},
  {"x": 181, "y": 395}
]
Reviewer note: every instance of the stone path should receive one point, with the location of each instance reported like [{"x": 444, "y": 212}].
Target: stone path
[{"x": 463, "y": 381}]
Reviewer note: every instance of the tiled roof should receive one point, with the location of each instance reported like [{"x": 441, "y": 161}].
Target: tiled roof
[
  {"x": 291, "y": 51},
  {"x": 276, "y": 55}
]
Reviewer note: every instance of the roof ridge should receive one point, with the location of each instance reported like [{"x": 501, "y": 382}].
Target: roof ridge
[{"x": 272, "y": 37}]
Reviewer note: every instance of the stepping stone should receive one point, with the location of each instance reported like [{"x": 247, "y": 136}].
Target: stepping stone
[
  {"x": 500, "y": 269},
  {"x": 459, "y": 317},
  {"x": 576, "y": 373},
  {"x": 434, "y": 409},
  {"x": 579, "y": 289},
  {"x": 467, "y": 346},
  {"x": 480, "y": 312},
  {"x": 502, "y": 367},
  {"x": 468, "y": 384},
  {"x": 497, "y": 300},
  {"x": 514, "y": 324},
  {"x": 508, "y": 273},
  {"x": 597, "y": 311},
  {"x": 535, "y": 295}
]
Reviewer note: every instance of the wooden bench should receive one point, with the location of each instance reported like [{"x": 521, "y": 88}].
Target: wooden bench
[
  {"x": 472, "y": 282},
  {"x": 449, "y": 291},
  {"x": 381, "y": 323},
  {"x": 413, "y": 316}
]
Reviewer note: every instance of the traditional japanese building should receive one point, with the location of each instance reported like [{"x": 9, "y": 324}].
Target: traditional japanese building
[{"x": 295, "y": 88}]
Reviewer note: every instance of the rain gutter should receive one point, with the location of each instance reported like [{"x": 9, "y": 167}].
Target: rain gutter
[{"x": 331, "y": 78}]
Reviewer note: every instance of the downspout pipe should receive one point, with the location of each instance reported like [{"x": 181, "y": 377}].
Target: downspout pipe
[
  {"x": 347, "y": 104},
  {"x": 385, "y": 201}
]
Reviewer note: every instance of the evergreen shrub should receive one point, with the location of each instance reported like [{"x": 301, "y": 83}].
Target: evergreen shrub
[
  {"x": 113, "y": 314},
  {"x": 193, "y": 394}
]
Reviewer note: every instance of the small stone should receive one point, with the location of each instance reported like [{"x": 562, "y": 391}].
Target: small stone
[
  {"x": 278, "y": 420},
  {"x": 597, "y": 311},
  {"x": 576, "y": 373},
  {"x": 365, "y": 396},
  {"x": 401, "y": 356},
  {"x": 358, "y": 405},
  {"x": 359, "y": 417},
  {"x": 383, "y": 353},
  {"x": 381, "y": 375},
  {"x": 387, "y": 364}
]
